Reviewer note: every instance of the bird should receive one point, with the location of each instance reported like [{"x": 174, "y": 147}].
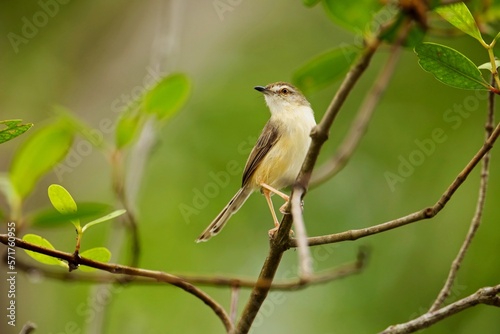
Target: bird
[{"x": 276, "y": 159}]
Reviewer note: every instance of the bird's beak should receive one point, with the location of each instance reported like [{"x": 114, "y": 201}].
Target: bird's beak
[{"x": 262, "y": 89}]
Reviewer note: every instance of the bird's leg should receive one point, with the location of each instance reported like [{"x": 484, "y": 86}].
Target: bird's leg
[
  {"x": 279, "y": 193},
  {"x": 267, "y": 195},
  {"x": 275, "y": 191},
  {"x": 282, "y": 195}
]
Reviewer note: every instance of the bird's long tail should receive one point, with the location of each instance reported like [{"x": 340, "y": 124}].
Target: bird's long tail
[{"x": 218, "y": 223}]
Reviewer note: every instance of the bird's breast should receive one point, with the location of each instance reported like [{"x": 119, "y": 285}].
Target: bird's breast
[{"x": 283, "y": 162}]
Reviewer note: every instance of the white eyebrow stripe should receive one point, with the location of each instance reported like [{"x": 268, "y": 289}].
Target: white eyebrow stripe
[{"x": 280, "y": 87}]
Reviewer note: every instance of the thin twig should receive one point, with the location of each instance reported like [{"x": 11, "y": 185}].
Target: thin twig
[
  {"x": 360, "y": 124},
  {"x": 486, "y": 295},
  {"x": 425, "y": 213},
  {"x": 118, "y": 180},
  {"x": 305, "y": 260},
  {"x": 280, "y": 243},
  {"x": 233, "y": 309},
  {"x": 476, "y": 220},
  {"x": 28, "y": 328}
]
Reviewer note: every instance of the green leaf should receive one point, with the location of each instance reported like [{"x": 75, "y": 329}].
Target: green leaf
[
  {"x": 459, "y": 15},
  {"x": 99, "y": 254},
  {"x": 325, "y": 68},
  {"x": 61, "y": 199},
  {"x": 39, "y": 241},
  {"x": 450, "y": 66},
  {"x": 167, "y": 96},
  {"x": 63, "y": 202},
  {"x": 13, "y": 129},
  {"x": 51, "y": 218},
  {"x": 43, "y": 150},
  {"x": 352, "y": 15},
  {"x": 110, "y": 216},
  {"x": 310, "y": 3},
  {"x": 127, "y": 128}
]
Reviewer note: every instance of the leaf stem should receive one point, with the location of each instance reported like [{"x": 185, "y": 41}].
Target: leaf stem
[
  {"x": 79, "y": 234},
  {"x": 494, "y": 71}
]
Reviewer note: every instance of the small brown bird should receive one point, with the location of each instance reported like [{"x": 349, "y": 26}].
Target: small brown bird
[{"x": 277, "y": 157}]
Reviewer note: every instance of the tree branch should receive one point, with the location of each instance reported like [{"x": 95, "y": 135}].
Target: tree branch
[
  {"x": 487, "y": 295},
  {"x": 425, "y": 213}
]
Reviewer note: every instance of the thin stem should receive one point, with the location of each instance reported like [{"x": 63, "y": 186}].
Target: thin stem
[
  {"x": 476, "y": 220},
  {"x": 79, "y": 233},
  {"x": 305, "y": 260},
  {"x": 118, "y": 176},
  {"x": 28, "y": 328},
  {"x": 494, "y": 70},
  {"x": 233, "y": 309}
]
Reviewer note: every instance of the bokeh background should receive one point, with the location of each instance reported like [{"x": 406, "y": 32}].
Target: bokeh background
[{"x": 91, "y": 54}]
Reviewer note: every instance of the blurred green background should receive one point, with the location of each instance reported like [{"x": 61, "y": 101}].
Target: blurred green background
[{"x": 91, "y": 56}]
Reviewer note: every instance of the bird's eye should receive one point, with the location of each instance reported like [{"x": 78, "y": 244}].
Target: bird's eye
[{"x": 285, "y": 91}]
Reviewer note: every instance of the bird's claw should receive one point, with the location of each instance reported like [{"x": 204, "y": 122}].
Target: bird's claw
[
  {"x": 284, "y": 207},
  {"x": 272, "y": 232}
]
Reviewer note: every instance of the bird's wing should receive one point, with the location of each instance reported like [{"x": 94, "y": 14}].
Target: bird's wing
[{"x": 266, "y": 141}]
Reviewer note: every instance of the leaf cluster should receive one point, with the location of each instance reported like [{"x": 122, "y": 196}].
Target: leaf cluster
[
  {"x": 446, "y": 64},
  {"x": 48, "y": 146}
]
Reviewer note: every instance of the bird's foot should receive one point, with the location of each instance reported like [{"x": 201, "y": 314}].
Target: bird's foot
[
  {"x": 283, "y": 208},
  {"x": 272, "y": 232}
]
